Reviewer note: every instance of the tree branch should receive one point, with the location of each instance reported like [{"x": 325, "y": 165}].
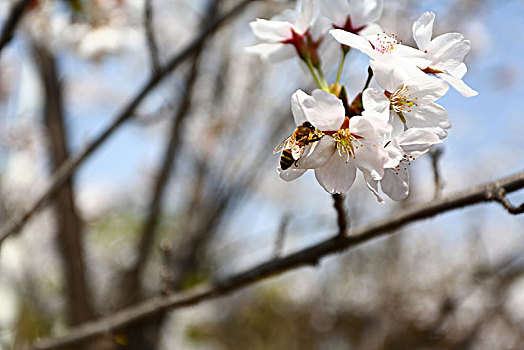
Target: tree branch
[
  {"x": 154, "y": 209},
  {"x": 71, "y": 164},
  {"x": 281, "y": 235},
  {"x": 150, "y": 36},
  {"x": 11, "y": 22},
  {"x": 69, "y": 225},
  {"x": 308, "y": 256},
  {"x": 436, "y": 154},
  {"x": 499, "y": 195}
]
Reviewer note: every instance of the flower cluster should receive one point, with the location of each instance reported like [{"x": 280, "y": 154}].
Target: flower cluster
[{"x": 384, "y": 129}]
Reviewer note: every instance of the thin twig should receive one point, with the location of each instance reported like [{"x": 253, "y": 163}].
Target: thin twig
[
  {"x": 435, "y": 158},
  {"x": 12, "y": 21},
  {"x": 72, "y": 163},
  {"x": 499, "y": 195},
  {"x": 342, "y": 220},
  {"x": 166, "y": 275},
  {"x": 281, "y": 235},
  {"x": 370, "y": 76},
  {"x": 154, "y": 210},
  {"x": 150, "y": 36},
  {"x": 171, "y": 151},
  {"x": 307, "y": 256}
]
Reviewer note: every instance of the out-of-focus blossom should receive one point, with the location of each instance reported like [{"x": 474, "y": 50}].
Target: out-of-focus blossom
[
  {"x": 299, "y": 29},
  {"x": 107, "y": 40},
  {"x": 352, "y": 15}
]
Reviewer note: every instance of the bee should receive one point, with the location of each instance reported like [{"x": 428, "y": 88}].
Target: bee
[{"x": 294, "y": 145}]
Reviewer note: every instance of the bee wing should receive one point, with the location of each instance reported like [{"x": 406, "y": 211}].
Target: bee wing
[{"x": 281, "y": 145}]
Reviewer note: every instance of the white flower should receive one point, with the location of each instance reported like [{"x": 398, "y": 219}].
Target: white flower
[
  {"x": 352, "y": 15},
  {"x": 380, "y": 46},
  {"x": 290, "y": 27},
  {"x": 412, "y": 143},
  {"x": 446, "y": 53},
  {"x": 347, "y": 144},
  {"x": 408, "y": 99}
]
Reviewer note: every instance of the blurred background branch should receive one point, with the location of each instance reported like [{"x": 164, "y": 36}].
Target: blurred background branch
[
  {"x": 308, "y": 256},
  {"x": 12, "y": 20},
  {"x": 71, "y": 164}
]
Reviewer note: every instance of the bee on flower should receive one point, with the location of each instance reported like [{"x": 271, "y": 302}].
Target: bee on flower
[
  {"x": 347, "y": 144},
  {"x": 385, "y": 128}
]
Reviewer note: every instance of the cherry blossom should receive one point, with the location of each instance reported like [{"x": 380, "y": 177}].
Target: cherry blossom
[
  {"x": 352, "y": 15},
  {"x": 380, "y": 45},
  {"x": 446, "y": 53},
  {"x": 383, "y": 130},
  {"x": 408, "y": 99},
  {"x": 412, "y": 143},
  {"x": 299, "y": 29},
  {"x": 347, "y": 144}
]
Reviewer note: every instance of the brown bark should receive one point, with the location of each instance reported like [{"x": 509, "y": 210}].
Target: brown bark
[{"x": 69, "y": 226}]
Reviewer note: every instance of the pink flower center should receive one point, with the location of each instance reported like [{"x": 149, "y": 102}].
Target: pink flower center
[
  {"x": 348, "y": 26},
  {"x": 384, "y": 43}
]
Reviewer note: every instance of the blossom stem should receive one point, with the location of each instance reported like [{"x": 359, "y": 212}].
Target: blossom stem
[
  {"x": 370, "y": 75},
  {"x": 342, "y": 220},
  {"x": 312, "y": 71},
  {"x": 345, "y": 50},
  {"x": 322, "y": 79}
]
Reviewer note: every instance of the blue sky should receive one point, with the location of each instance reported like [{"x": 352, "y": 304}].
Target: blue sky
[
  {"x": 485, "y": 142},
  {"x": 485, "y": 124}
]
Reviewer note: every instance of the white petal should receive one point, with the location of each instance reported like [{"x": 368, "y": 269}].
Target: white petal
[
  {"x": 371, "y": 126},
  {"x": 336, "y": 176},
  {"x": 429, "y": 115},
  {"x": 395, "y": 154},
  {"x": 307, "y": 15},
  {"x": 273, "y": 52},
  {"x": 370, "y": 30},
  {"x": 395, "y": 183},
  {"x": 297, "y": 99},
  {"x": 459, "y": 85},
  {"x": 318, "y": 154},
  {"x": 410, "y": 56},
  {"x": 397, "y": 126},
  {"x": 449, "y": 46},
  {"x": 336, "y": 11},
  {"x": 422, "y": 30},
  {"x": 318, "y": 30},
  {"x": 459, "y": 71},
  {"x": 355, "y": 41},
  {"x": 288, "y": 15},
  {"x": 386, "y": 74},
  {"x": 324, "y": 110},
  {"x": 370, "y": 158},
  {"x": 426, "y": 88},
  {"x": 417, "y": 141},
  {"x": 391, "y": 74},
  {"x": 375, "y": 101},
  {"x": 363, "y": 12},
  {"x": 271, "y": 31},
  {"x": 291, "y": 173},
  {"x": 373, "y": 187}
]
